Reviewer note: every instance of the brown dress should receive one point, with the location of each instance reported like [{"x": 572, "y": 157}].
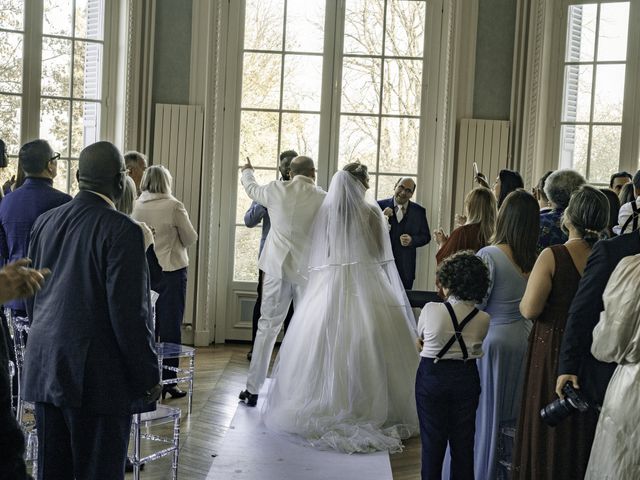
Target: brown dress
[
  {"x": 543, "y": 452},
  {"x": 465, "y": 237}
]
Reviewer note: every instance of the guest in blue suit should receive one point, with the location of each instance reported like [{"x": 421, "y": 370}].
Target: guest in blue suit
[
  {"x": 19, "y": 210},
  {"x": 408, "y": 228},
  {"x": 91, "y": 361}
]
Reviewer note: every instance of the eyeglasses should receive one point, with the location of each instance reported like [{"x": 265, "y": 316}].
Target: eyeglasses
[{"x": 56, "y": 156}]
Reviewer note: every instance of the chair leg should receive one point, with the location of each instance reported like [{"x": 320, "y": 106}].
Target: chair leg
[
  {"x": 136, "y": 446},
  {"x": 176, "y": 444},
  {"x": 191, "y": 372}
]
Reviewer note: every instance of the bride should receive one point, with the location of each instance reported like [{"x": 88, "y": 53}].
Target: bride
[{"x": 344, "y": 377}]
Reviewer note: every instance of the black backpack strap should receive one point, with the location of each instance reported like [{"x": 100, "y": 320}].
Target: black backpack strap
[{"x": 457, "y": 327}]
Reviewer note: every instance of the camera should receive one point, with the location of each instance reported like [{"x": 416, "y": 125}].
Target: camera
[{"x": 561, "y": 408}]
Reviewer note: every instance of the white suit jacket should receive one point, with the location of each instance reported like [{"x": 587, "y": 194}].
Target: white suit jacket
[{"x": 292, "y": 208}]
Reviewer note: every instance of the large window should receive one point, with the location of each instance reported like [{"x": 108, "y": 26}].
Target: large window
[
  {"x": 368, "y": 108},
  {"x": 69, "y": 56},
  {"x": 594, "y": 88}
]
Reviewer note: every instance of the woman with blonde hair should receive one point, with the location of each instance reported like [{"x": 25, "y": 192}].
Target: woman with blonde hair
[
  {"x": 480, "y": 207},
  {"x": 173, "y": 234}
]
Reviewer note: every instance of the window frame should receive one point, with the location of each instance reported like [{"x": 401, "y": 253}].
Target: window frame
[
  {"x": 327, "y": 161},
  {"x": 629, "y": 158},
  {"x": 31, "y": 95}
]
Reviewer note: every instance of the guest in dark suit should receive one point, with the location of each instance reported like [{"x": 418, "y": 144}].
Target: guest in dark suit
[
  {"x": 576, "y": 363},
  {"x": 19, "y": 210},
  {"x": 408, "y": 228},
  {"x": 91, "y": 361}
]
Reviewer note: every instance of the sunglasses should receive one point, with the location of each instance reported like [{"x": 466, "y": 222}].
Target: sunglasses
[{"x": 56, "y": 156}]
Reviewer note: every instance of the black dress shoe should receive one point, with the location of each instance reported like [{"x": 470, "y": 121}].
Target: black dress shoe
[
  {"x": 251, "y": 399},
  {"x": 174, "y": 391},
  {"x": 128, "y": 466}
]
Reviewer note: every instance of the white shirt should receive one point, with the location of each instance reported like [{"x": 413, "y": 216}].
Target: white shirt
[
  {"x": 625, "y": 212},
  {"x": 436, "y": 329}
]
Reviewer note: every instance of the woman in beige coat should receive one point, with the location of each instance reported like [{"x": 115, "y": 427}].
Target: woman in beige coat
[
  {"x": 616, "y": 338},
  {"x": 172, "y": 234}
]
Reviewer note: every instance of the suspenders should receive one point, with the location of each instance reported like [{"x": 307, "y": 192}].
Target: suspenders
[
  {"x": 633, "y": 217},
  {"x": 458, "y": 333}
]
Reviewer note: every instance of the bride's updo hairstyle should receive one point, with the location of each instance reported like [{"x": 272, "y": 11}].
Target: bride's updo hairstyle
[
  {"x": 358, "y": 170},
  {"x": 465, "y": 276}
]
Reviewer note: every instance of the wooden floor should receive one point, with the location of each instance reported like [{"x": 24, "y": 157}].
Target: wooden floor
[{"x": 220, "y": 375}]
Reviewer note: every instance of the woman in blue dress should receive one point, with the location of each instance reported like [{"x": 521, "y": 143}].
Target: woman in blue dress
[{"x": 510, "y": 258}]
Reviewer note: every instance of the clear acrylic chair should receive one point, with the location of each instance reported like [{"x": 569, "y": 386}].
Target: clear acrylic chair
[
  {"x": 141, "y": 429},
  {"x": 183, "y": 374},
  {"x": 25, "y": 411}
]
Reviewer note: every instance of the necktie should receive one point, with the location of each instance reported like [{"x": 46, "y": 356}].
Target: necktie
[{"x": 400, "y": 213}]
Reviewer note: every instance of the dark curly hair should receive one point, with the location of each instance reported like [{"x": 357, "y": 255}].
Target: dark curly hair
[{"x": 465, "y": 276}]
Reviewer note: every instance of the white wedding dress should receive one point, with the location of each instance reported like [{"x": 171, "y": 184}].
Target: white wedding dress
[{"x": 344, "y": 378}]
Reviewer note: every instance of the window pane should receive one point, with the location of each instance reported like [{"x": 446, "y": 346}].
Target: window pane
[
  {"x": 86, "y": 126},
  {"x": 246, "y": 254},
  {"x": 581, "y": 33},
  {"x": 263, "y": 24},
  {"x": 305, "y": 25},
  {"x": 10, "y": 122},
  {"x": 609, "y": 93},
  {"x": 605, "y": 153},
  {"x": 405, "y": 28},
  {"x": 60, "y": 180},
  {"x": 8, "y": 173},
  {"x": 261, "y": 80},
  {"x": 12, "y": 14},
  {"x": 57, "y": 17},
  {"x": 402, "y": 82},
  {"x": 363, "y": 27},
  {"x": 576, "y": 104},
  {"x": 302, "y": 82},
  {"x": 574, "y": 142},
  {"x": 259, "y": 138},
  {"x": 360, "y": 85},
  {"x": 10, "y": 62},
  {"x": 399, "y": 138},
  {"x": 73, "y": 168},
  {"x": 87, "y": 70},
  {"x": 244, "y": 202},
  {"x": 358, "y": 141},
  {"x": 54, "y": 124},
  {"x": 612, "y": 37},
  {"x": 89, "y": 19},
  {"x": 56, "y": 67},
  {"x": 301, "y": 132}
]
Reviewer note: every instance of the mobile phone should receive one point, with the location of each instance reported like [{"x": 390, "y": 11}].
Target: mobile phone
[{"x": 475, "y": 169}]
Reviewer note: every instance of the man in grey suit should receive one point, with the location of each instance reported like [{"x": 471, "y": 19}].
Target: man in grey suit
[{"x": 90, "y": 361}]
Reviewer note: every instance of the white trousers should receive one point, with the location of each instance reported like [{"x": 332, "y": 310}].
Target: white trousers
[{"x": 277, "y": 294}]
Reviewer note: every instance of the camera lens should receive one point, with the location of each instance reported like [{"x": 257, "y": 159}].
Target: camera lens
[{"x": 556, "y": 411}]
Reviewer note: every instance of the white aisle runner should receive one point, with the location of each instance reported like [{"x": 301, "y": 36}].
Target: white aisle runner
[{"x": 251, "y": 452}]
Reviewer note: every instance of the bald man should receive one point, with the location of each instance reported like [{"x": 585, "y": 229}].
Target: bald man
[
  {"x": 408, "y": 228},
  {"x": 91, "y": 361},
  {"x": 292, "y": 207}
]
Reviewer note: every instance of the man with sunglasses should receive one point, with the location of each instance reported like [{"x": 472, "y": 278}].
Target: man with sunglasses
[
  {"x": 20, "y": 208},
  {"x": 408, "y": 228}
]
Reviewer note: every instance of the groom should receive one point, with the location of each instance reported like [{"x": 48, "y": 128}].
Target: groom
[{"x": 292, "y": 207}]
